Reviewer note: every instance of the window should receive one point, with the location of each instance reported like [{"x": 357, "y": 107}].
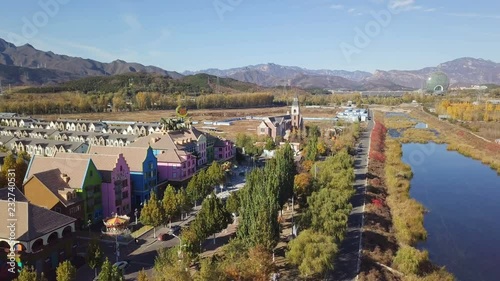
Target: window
[
  {"x": 125, "y": 195},
  {"x": 121, "y": 168},
  {"x": 220, "y": 148},
  {"x": 125, "y": 182},
  {"x": 262, "y": 130},
  {"x": 91, "y": 173},
  {"x": 174, "y": 175}
]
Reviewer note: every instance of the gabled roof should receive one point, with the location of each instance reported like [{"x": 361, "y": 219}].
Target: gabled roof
[
  {"x": 6, "y": 139},
  {"x": 173, "y": 156},
  {"x": 158, "y": 141},
  {"x": 5, "y": 193},
  {"x": 134, "y": 156},
  {"x": 32, "y": 221},
  {"x": 52, "y": 179},
  {"x": 104, "y": 163},
  {"x": 75, "y": 168}
]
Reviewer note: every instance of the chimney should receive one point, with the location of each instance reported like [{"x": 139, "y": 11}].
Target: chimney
[{"x": 65, "y": 178}]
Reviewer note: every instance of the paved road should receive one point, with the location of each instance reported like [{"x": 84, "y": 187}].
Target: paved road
[
  {"x": 347, "y": 261},
  {"x": 143, "y": 255}
]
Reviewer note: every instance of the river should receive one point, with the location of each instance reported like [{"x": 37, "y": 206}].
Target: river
[{"x": 462, "y": 196}]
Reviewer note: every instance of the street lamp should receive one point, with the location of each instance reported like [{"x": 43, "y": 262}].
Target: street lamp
[
  {"x": 135, "y": 213},
  {"x": 180, "y": 244}
]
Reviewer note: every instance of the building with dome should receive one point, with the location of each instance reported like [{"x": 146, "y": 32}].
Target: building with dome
[{"x": 438, "y": 82}]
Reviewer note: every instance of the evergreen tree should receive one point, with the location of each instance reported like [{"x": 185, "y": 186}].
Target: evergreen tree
[
  {"x": 233, "y": 203},
  {"x": 152, "y": 213},
  {"x": 65, "y": 271},
  {"x": 285, "y": 172},
  {"x": 259, "y": 209},
  {"x": 213, "y": 215},
  {"x": 169, "y": 203}
]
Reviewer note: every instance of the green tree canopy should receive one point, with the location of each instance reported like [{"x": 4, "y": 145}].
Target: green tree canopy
[
  {"x": 152, "y": 213},
  {"x": 233, "y": 203},
  {"x": 312, "y": 252},
  {"x": 213, "y": 215},
  {"x": 194, "y": 189},
  {"x": 259, "y": 209},
  {"x": 169, "y": 203},
  {"x": 110, "y": 272},
  {"x": 328, "y": 212},
  {"x": 65, "y": 271},
  {"x": 183, "y": 202},
  {"x": 94, "y": 255}
]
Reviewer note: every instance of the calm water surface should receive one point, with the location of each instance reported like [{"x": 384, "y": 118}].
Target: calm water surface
[{"x": 463, "y": 199}]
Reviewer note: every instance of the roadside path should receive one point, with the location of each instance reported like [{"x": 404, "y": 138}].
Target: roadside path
[{"x": 348, "y": 259}]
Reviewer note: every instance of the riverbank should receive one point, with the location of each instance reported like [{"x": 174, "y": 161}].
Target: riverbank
[
  {"x": 460, "y": 140},
  {"x": 394, "y": 221}
]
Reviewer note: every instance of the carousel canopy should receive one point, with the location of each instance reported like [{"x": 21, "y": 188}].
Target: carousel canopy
[{"x": 116, "y": 221}]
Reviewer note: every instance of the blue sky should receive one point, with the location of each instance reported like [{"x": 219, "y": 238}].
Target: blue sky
[{"x": 318, "y": 34}]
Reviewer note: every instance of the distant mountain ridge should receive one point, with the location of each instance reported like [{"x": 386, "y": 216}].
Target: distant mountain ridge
[
  {"x": 462, "y": 71},
  {"x": 27, "y": 57},
  {"x": 25, "y": 65}
]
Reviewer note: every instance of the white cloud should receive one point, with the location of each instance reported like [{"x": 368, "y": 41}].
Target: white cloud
[
  {"x": 351, "y": 10},
  {"x": 337, "y": 7},
  {"x": 404, "y": 5},
  {"x": 430, "y": 10},
  {"x": 132, "y": 21},
  {"x": 473, "y": 15}
]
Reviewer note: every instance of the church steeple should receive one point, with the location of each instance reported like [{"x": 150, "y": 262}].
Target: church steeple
[{"x": 295, "y": 114}]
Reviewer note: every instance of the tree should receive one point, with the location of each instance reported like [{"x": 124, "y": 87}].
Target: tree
[
  {"x": 270, "y": 145},
  {"x": 215, "y": 175},
  {"x": 242, "y": 263},
  {"x": 21, "y": 168},
  {"x": 28, "y": 274},
  {"x": 142, "y": 276},
  {"x": 312, "y": 252},
  {"x": 66, "y": 271},
  {"x": 233, "y": 203},
  {"x": 213, "y": 215},
  {"x": 171, "y": 266},
  {"x": 321, "y": 148},
  {"x": 210, "y": 269},
  {"x": 169, "y": 203},
  {"x": 183, "y": 203},
  {"x": 284, "y": 171},
  {"x": 152, "y": 213},
  {"x": 303, "y": 186},
  {"x": 410, "y": 260},
  {"x": 259, "y": 209},
  {"x": 193, "y": 189},
  {"x": 328, "y": 212},
  {"x": 94, "y": 254},
  {"x": 110, "y": 272}
]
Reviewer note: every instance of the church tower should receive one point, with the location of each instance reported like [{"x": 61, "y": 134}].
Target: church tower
[{"x": 297, "y": 121}]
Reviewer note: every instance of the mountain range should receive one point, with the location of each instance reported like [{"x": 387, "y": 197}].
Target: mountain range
[{"x": 25, "y": 65}]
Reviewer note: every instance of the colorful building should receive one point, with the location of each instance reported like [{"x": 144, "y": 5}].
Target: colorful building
[
  {"x": 143, "y": 167},
  {"x": 40, "y": 237},
  {"x": 81, "y": 175},
  {"x": 116, "y": 184}
]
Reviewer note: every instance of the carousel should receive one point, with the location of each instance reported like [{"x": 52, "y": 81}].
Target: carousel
[{"x": 116, "y": 225}]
